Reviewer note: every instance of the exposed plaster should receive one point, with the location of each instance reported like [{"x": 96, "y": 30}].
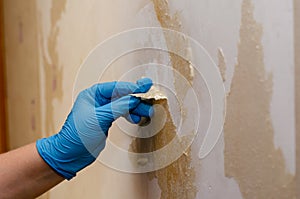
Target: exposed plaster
[
  {"x": 181, "y": 170},
  {"x": 176, "y": 180},
  {"x": 250, "y": 154}
]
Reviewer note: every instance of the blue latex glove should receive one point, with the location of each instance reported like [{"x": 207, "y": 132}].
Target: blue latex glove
[{"x": 84, "y": 133}]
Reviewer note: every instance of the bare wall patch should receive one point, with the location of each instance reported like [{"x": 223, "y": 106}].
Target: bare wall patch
[
  {"x": 176, "y": 180},
  {"x": 250, "y": 154}
]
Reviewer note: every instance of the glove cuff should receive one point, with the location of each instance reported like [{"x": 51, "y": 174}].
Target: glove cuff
[{"x": 47, "y": 151}]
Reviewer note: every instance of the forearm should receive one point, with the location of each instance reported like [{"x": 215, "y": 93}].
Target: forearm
[
  {"x": 29, "y": 171},
  {"x": 24, "y": 174}
]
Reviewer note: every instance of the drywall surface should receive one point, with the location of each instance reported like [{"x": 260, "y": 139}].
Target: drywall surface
[
  {"x": 251, "y": 42},
  {"x": 66, "y": 40},
  {"x": 250, "y": 154},
  {"x": 273, "y": 37}
]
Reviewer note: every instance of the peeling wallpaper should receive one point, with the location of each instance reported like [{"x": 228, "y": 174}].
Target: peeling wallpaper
[
  {"x": 250, "y": 155},
  {"x": 47, "y": 40}
]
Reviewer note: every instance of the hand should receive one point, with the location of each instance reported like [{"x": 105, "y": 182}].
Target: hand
[{"x": 84, "y": 133}]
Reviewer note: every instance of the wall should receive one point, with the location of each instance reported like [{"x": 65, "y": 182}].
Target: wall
[
  {"x": 252, "y": 42},
  {"x": 297, "y": 73},
  {"x": 2, "y": 84}
]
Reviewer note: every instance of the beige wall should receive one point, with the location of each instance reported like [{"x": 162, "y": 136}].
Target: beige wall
[
  {"x": 297, "y": 73},
  {"x": 252, "y": 41}
]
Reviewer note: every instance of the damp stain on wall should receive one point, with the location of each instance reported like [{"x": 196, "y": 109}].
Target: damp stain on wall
[
  {"x": 52, "y": 68},
  {"x": 176, "y": 180},
  {"x": 250, "y": 154}
]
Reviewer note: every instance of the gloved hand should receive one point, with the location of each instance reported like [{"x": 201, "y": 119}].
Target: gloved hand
[{"x": 84, "y": 133}]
